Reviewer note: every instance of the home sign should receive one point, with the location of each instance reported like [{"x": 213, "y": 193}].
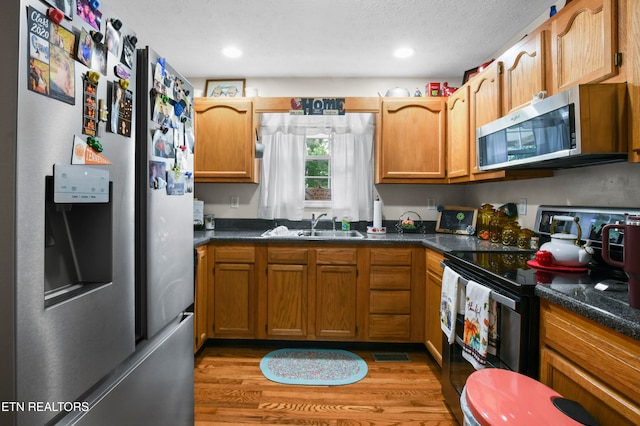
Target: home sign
[{"x": 317, "y": 106}]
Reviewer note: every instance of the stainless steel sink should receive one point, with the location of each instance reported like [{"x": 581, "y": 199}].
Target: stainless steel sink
[
  {"x": 318, "y": 234},
  {"x": 322, "y": 233}
]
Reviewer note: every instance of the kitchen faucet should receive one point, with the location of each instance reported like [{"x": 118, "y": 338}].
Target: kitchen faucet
[{"x": 314, "y": 221}]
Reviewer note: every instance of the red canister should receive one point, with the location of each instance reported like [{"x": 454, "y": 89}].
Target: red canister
[{"x": 434, "y": 89}]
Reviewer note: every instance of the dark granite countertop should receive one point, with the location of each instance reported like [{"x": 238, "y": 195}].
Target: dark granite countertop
[
  {"x": 609, "y": 308},
  {"x": 439, "y": 242},
  {"x": 250, "y": 230}
]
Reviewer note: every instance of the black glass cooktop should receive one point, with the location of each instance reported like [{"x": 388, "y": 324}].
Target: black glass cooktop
[{"x": 510, "y": 269}]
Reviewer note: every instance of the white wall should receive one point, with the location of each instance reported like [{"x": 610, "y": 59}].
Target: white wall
[
  {"x": 611, "y": 185},
  {"x": 344, "y": 87}
]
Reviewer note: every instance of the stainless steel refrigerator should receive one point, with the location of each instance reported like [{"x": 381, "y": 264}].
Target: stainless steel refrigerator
[{"x": 96, "y": 272}]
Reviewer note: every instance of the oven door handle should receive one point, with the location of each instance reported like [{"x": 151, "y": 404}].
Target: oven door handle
[{"x": 499, "y": 298}]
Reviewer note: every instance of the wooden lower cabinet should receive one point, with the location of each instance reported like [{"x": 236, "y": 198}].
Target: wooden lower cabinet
[
  {"x": 336, "y": 293},
  {"x": 432, "y": 330},
  {"x": 200, "y": 297},
  {"x": 234, "y": 289},
  {"x": 396, "y": 289},
  {"x": 285, "y": 315},
  {"x": 317, "y": 292},
  {"x": 336, "y": 302},
  {"x": 286, "y": 301},
  {"x": 591, "y": 364}
]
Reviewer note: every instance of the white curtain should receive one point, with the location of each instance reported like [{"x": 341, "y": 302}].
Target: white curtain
[{"x": 282, "y": 171}]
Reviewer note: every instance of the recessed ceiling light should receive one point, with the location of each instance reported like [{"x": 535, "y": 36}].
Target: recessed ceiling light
[
  {"x": 232, "y": 52},
  {"x": 404, "y": 52}
]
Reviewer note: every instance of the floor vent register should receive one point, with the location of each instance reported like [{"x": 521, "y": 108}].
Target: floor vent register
[{"x": 391, "y": 357}]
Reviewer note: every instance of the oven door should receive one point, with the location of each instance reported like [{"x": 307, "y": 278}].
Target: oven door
[{"x": 456, "y": 369}]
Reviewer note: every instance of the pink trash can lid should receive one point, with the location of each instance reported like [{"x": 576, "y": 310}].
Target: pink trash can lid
[{"x": 501, "y": 397}]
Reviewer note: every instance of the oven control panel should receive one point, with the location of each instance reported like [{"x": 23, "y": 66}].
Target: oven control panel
[{"x": 591, "y": 220}]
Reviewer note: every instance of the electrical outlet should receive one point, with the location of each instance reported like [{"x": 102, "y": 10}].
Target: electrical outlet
[
  {"x": 522, "y": 207},
  {"x": 235, "y": 201}
]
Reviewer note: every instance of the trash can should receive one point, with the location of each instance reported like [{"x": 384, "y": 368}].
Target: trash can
[{"x": 494, "y": 397}]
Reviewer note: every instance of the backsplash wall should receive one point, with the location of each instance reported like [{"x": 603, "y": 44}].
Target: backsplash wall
[
  {"x": 396, "y": 199},
  {"x": 612, "y": 185}
]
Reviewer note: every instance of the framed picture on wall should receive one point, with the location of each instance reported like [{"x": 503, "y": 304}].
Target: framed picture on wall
[{"x": 225, "y": 88}]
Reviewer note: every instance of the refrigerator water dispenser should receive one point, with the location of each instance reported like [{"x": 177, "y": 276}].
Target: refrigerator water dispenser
[{"x": 78, "y": 232}]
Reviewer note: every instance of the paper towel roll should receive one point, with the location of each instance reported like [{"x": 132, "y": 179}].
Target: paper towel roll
[{"x": 377, "y": 214}]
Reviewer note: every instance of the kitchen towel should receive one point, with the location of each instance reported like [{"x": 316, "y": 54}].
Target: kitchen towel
[
  {"x": 476, "y": 325},
  {"x": 449, "y": 303}
]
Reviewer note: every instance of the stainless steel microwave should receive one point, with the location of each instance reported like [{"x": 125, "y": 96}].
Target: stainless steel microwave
[{"x": 584, "y": 125}]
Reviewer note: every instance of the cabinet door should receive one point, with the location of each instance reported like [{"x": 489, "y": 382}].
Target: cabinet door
[
  {"x": 234, "y": 291},
  {"x": 524, "y": 72},
  {"x": 200, "y": 299},
  {"x": 458, "y": 133},
  {"x": 336, "y": 301},
  {"x": 433, "y": 332},
  {"x": 286, "y": 301},
  {"x": 570, "y": 380},
  {"x": 485, "y": 91},
  {"x": 412, "y": 142},
  {"x": 224, "y": 146},
  {"x": 584, "y": 42}
]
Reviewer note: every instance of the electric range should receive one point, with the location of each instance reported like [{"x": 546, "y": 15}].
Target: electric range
[{"x": 513, "y": 286}]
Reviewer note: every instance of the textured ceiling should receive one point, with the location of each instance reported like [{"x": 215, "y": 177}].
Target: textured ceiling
[{"x": 327, "y": 38}]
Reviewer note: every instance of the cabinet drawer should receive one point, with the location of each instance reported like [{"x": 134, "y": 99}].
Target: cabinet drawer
[
  {"x": 287, "y": 255},
  {"x": 390, "y": 256},
  {"x": 433, "y": 261},
  {"x": 390, "y": 277},
  {"x": 389, "y": 326},
  {"x": 235, "y": 254},
  {"x": 609, "y": 356},
  {"x": 337, "y": 256},
  {"x": 390, "y": 302}
]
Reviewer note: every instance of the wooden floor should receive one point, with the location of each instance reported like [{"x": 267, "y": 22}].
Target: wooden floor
[{"x": 230, "y": 389}]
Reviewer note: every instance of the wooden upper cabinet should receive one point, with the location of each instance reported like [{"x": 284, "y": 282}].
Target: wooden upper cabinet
[
  {"x": 412, "y": 141},
  {"x": 225, "y": 141},
  {"x": 485, "y": 93},
  {"x": 524, "y": 72},
  {"x": 458, "y": 133},
  {"x": 584, "y": 42}
]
